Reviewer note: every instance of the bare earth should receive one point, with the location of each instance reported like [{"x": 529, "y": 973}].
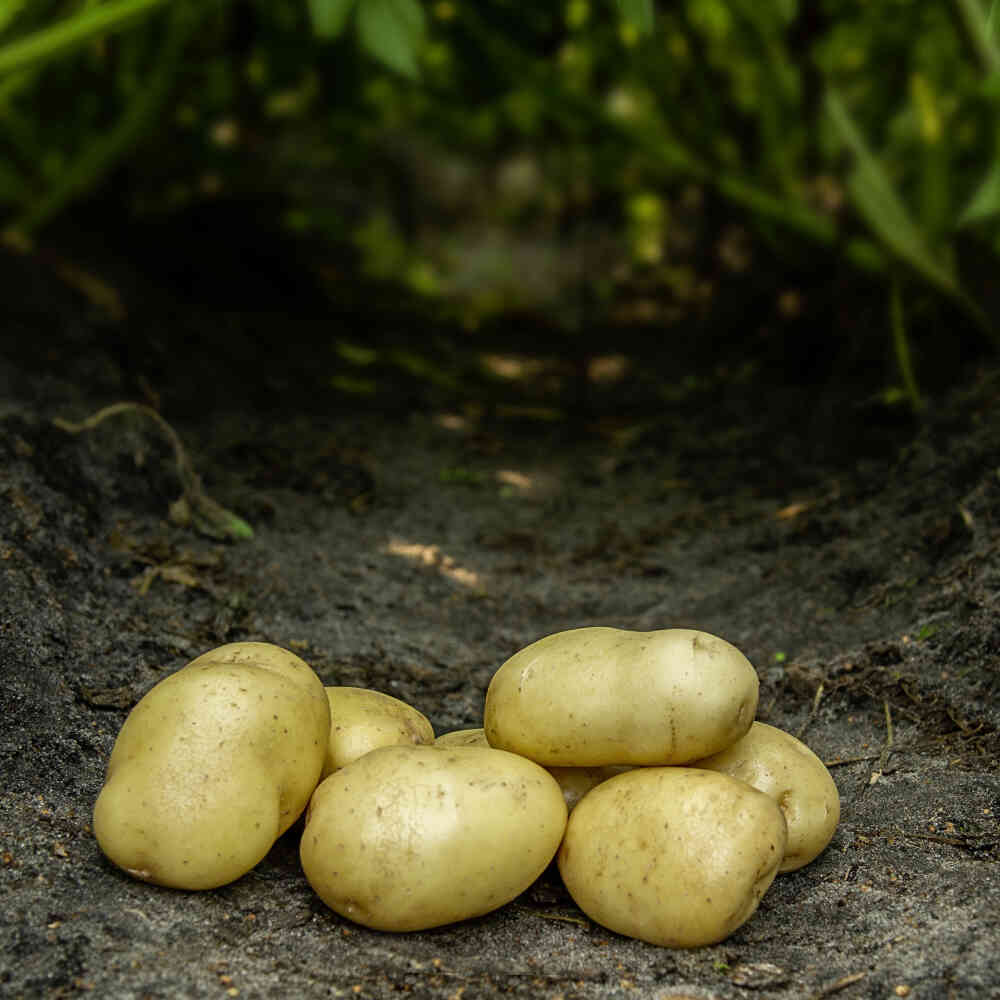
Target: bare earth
[{"x": 415, "y": 540}]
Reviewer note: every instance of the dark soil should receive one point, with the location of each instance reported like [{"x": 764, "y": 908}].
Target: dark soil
[{"x": 413, "y": 536}]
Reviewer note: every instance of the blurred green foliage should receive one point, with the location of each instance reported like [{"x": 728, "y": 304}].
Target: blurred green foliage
[{"x": 495, "y": 153}]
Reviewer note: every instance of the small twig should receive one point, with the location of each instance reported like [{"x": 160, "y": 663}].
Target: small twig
[
  {"x": 840, "y": 761},
  {"x": 193, "y": 506},
  {"x": 545, "y": 915},
  {"x": 953, "y": 841},
  {"x": 184, "y": 469},
  {"x": 812, "y": 712},
  {"x": 883, "y": 757},
  {"x": 837, "y": 986},
  {"x": 969, "y": 841}
]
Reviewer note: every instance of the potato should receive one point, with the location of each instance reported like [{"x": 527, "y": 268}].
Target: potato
[
  {"x": 596, "y": 696},
  {"x": 407, "y": 838},
  {"x": 575, "y": 782},
  {"x": 212, "y": 765},
  {"x": 463, "y": 738},
  {"x": 675, "y": 856},
  {"x": 776, "y": 763},
  {"x": 362, "y": 720}
]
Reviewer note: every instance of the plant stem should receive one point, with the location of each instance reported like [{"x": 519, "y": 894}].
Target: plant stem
[
  {"x": 105, "y": 151},
  {"x": 979, "y": 30},
  {"x": 670, "y": 155},
  {"x": 901, "y": 345},
  {"x": 879, "y": 204},
  {"x": 194, "y": 506},
  {"x": 71, "y": 32}
]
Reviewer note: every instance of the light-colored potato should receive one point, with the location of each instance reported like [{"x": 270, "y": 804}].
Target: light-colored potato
[
  {"x": 463, "y": 738},
  {"x": 407, "y": 838},
  {"x": 575, "y": 782},
  {"x": 595, "y": 696},
  {"x": 362, "y": 720},
  {"x": 775, "y": 762},
  {"x": 212, "y": 765},
  {"x": 676, "y": 856}
]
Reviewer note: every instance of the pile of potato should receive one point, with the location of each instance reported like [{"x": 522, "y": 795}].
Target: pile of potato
[{"x": 632, "y": 758}]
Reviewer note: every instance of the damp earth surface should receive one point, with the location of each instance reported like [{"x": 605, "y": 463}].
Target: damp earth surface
[{"x": 420, "y": 512}]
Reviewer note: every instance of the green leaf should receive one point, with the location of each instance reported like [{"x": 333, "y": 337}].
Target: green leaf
[
  {"x": 81, "y": 171},
  {"x": 329, "y": 16},
  {"x": 638, "y": 13},
  {"x": 981, "y": 32},
  {"x": 985, "y": 203},
  {"x": 392, "y": 31},
  {"x": 9, "y": 9},
  {"x": 71, "y": 32},
  {"x": 880, "y": 205},
  {"x": 990, "y": 87}
]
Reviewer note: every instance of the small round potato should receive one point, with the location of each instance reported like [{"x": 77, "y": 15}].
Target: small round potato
[
  {"x": 362, "y": 720},
  {"x": 463, "y": 738},
  {"x": 212, "y": 765},
  {"x": 575, "y": 782},
  {"x": 596, "y": 696},
  {"x": 776, "y": 763},
  {"x": 407, "y": 838},
  {"x": 675, "y": 856}
]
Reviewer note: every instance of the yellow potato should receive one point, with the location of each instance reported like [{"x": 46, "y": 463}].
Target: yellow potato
[
  {"x": 212, "y": 765},
  {"x": 407, "y": 838},
  {"x": 575, "y": 782},
  {"x": 362, "y": 720},
  {"x": 776, "y": 763},
  {"x": 596, "y": 696},
  {"x": 463, "y": 738},
  {"x": 676, "y": 856}
]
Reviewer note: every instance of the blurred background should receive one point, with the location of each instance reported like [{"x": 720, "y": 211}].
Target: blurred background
[{"x": 572, "y": 197}]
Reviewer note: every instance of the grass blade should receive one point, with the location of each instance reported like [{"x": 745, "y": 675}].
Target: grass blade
[{"x": 71, "y": 33}]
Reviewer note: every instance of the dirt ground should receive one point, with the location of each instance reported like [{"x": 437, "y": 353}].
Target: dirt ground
[{"x": 412, "y": 540}]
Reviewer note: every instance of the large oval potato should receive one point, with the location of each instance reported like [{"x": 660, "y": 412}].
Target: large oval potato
[
  {"x": 776, "y": 763},
  {"x": 362, "y": 720},
  {"x": 596, "y": 696},
  {"x": 212, "y": 765},
  {"x": 407, "y": 838},
  {"x": 676, "y": 856}
]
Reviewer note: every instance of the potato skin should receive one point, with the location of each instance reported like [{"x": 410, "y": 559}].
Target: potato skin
[
  {"x": 575, "y": 782},
  {"x": 362, "y": 720},
  {"x": 407, "y": 838},
  {"x": 596, "y": 696},
  {"x": 212, "y": 765},
  {"x": 675, "y": 856},
  {"x": 463, "y": 738},
  {"x": 778, "y": 764}
]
